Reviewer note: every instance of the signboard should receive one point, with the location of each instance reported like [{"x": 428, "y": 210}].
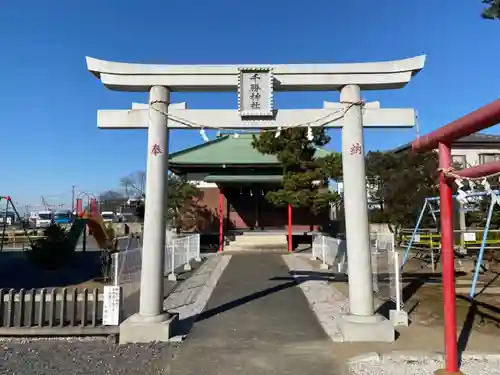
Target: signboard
[
  {"x": 470, "y": 236},
  {"x": 255, "y": 92},
  {"x": 111, "y": 306},
  {"x": 416, "y": 238}
]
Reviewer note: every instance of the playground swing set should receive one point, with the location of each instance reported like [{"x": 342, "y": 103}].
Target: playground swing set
[
  {"x": 431, "y": 239},
  {"x": 9, "y": 205}
]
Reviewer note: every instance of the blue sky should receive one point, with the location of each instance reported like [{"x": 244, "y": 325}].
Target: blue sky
[{"x": 49, "y": 100}]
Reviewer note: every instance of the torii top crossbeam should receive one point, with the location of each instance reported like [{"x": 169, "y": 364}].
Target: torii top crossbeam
[{"x": 293, "y": 77}]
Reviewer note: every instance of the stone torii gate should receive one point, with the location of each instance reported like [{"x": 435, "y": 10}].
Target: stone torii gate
[{"x": 255, "y": 86}]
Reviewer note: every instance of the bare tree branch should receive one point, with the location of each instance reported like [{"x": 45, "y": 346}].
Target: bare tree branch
[{"x": 135, "y": 181}]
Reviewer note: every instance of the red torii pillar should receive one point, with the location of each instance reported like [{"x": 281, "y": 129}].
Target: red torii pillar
[{"x": 442, "y": 139}]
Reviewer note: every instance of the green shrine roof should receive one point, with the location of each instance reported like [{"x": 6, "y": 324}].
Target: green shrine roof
[{"x": 226, "y": 149}]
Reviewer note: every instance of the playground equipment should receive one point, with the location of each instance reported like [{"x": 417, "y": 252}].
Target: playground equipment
[
  {"x": 91, "y": 209},
  {"x": 428, "y": 241},
  {"x": 94, "y": 221},
  {"x": 10, "y": 205},
  {"x": 442, "y": 139}
]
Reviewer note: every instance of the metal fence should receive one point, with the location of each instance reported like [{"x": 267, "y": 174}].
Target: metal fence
[
  {"x": 179, "y": 252},
  {"x": 127, "y": 264},
  {"x": 54, "y": 312},
  {"x": 126, "y": 268},
  {"x": 330, "y": 251},
  {"x": 387, "y": 280}
]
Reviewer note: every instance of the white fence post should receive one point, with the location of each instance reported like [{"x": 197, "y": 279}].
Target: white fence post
[
  {"x": 398, "y": 317},
  {"x": 341, "y": 260},
  {"x": 398, "y": 284},
  {"x": 116, "y": 269},
  {"x": 171, "y": 247},
  {"x": 323, "y": 265},
  {"x": 314, "y": 246},
  {"x": 197, "y": 248},
  {"x": 374, "y": 255},
  {"x": 187, "y": 249}
]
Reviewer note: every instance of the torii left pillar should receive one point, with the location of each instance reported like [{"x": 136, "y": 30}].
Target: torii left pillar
[{"x": 151, "y": 322}]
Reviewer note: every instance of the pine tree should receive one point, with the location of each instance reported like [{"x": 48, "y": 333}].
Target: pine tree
[
  {"x": 493, "y": 10},
  {"x": 305, "y": 176}
]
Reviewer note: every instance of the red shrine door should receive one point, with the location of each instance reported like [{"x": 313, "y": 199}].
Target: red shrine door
[{"x": 249, "y": 209}]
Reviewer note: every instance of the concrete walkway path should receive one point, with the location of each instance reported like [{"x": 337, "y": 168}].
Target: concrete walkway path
[{"x": 257, "y": 321}]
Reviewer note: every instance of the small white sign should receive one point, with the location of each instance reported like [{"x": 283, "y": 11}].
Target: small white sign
[
  {"x": 111, "y": 306},
  {"x": 416, "y": 238},
  {"x": 470, "y": 236}
]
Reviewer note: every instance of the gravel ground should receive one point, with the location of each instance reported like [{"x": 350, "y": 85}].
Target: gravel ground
[
  {"x": 325, "y": 300},
  {"x": 96, "y": 356},
  {"x": 406, "y": 364},
  {"x": 79, "y": 357}
]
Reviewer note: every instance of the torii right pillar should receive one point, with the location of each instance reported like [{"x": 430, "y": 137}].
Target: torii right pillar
[{"x": 361, "y": 324}]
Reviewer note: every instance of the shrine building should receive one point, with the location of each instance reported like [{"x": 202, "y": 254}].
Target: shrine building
[{"x": 234, "y": 178}]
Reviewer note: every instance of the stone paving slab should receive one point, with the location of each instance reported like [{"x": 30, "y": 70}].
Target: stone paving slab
[
  {"x": 328, "y": 303},
  {"x": 190, "y": 297},
  {"x": 257, "y": 321}
]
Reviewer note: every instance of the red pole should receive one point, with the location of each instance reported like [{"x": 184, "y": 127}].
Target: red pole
[
  {"x": 289, "y": 228},
  {"x": 448, "y": 262},
  {"x": 221, "y": 220},
  {"x": 93, "y": 207},
  {"x": 79, "y": 206}
]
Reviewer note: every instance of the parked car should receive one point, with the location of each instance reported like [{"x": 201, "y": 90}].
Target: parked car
[{"x": 109, "y": 217}]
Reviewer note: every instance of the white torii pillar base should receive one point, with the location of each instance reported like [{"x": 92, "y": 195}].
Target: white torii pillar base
[
  {"x": 372, "y": 328},
  {"x": 361, "y": 324},
  {"x": 139, "y": 329}
]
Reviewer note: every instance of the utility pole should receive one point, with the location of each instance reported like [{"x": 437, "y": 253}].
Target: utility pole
[{"x": 73, "y": 199}]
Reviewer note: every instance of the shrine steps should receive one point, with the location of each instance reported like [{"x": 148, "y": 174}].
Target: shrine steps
[{"x": 257, "y": 242}]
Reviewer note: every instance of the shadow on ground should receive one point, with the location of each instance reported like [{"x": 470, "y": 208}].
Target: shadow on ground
[{"x": 17, "y": 272}]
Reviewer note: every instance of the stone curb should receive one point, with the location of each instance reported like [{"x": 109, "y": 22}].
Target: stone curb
[{"x": 418, "y": 356}]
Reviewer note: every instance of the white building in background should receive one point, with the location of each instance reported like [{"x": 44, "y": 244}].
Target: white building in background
[
  {"x": 369, "y": 188},
  {"x": 472, "y": 150},
  {"x": 466, "y": 152}
]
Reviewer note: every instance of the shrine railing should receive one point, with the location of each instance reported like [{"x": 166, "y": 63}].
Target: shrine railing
[
  {"x": 179, "y": 252},
  {"x": 330, "y": 251},
  {"x": 387, "y": 280}
]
